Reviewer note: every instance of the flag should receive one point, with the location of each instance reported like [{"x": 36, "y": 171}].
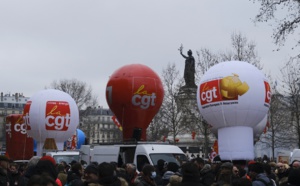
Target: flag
[{"x": 117, "y": 123}]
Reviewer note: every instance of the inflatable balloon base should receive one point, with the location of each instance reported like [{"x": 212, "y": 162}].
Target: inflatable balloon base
[
  {"x": 236, "y": 143},
  {"x": 50, "y": 144}
]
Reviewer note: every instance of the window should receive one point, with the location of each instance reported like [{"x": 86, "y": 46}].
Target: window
[
  {"x": 107, "y": 118},
  {"x": 141, "y": 161}
]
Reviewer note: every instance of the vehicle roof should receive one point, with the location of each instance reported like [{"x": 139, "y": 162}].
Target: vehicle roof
[
  {"x": 159, "y": 148},
  {"x": 63, "y": 153}
]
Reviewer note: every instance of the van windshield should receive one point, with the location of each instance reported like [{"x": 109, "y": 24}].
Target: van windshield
[
  {"x": 176, "y": 158},
  {"x": 66, "y": 158}
]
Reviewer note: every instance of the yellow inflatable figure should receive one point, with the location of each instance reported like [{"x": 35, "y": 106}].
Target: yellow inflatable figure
[{"x": 231, "y": 87}]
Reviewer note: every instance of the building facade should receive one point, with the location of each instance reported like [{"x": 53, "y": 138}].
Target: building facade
[
  {"x": 9, "y": 104},
  {"x": 98, "y": 126}
]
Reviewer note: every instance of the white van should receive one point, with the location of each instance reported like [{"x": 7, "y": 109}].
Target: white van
[
  {"x": 67, "y": 156},
  {"x": 295, "y": 155},
  {"x": 139, "y": 153}
]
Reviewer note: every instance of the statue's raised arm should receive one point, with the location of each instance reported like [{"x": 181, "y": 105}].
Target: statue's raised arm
[{"x": 189, "y": 69}]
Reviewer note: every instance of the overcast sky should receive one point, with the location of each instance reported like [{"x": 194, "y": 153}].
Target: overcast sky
[{"x": 43, "y": 41}]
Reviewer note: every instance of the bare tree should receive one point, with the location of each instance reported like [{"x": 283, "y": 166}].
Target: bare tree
[
  {"x": 78, "y": 90},
  {"x": 277, "y": 134},
  {"x": 285, "y": 23},
  {"x": 171, "y": 111},
  {"x": 242, "y": 50},
  {"x": 291, "y": 82},
  {"x": 206, "y": 59},
  {"x": 157, "y": 130}
]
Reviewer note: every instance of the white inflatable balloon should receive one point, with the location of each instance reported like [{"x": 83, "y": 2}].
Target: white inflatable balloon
[
  {"x": 259, "y": 128},
  {"x": 51, "y": 114},
  {"x": 234, "y": 97}
]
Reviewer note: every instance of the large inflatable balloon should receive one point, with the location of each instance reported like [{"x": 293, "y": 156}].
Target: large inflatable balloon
[
  {"x": 51, "y": 115},
  {"x": 134, "y": 93},
  {"x": 234, "y": 98},
  {"x": 19, "y": 146}
]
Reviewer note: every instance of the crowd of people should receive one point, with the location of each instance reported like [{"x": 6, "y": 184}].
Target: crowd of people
[{"x": 45, "y": 171}]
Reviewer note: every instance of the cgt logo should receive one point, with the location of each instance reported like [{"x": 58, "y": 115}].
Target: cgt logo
[
  {"x": 268, "y": 93},
  {"x": 57, "y": 115},
  {"x": 141, "y": 97},
  {"x": 227, "y": 88},
  {"x": 20, "y": 126},
  {"x": 210, "y": 92}
]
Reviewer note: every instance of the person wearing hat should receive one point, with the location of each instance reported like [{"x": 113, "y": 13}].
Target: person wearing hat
[
  {"x": 4, "y": 163},
  {"x": 91, "y": 174},
  {"x": 225, "y": 174},
  {"x": 207, "y": 177}
]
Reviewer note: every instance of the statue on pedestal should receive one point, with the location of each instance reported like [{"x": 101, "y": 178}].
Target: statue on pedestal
[{"x": 189, "y": 69}]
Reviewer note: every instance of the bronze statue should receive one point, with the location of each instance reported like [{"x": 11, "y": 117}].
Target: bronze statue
[{"x": 189, "y": 69}]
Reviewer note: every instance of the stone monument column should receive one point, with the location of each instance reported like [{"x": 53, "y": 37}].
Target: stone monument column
[{"x": 186, "y": 97}]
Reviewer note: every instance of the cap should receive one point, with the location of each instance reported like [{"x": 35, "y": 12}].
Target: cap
[
  {"x": 49, "y": 158},
  {"x": 4, "y": 158},
  {"x": 227, "y": 165},
  {"x": 251, "y": 162}
]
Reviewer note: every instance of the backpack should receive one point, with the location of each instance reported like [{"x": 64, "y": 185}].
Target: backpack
[{"x": 271, "y": 182}]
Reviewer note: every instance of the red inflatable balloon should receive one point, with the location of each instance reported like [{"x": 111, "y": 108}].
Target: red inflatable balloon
[{"x": 134, "y": 93}]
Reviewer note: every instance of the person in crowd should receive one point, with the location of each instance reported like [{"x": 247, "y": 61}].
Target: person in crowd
[
  {"x": 41, "y": 180},
  {"x": 147, "y": 176},
  {"x": 4, "y": 164},
  {"x": 91, "y": 174},
  {"x": 107, "y": 177},
  {"x": 47, "y": 165},
  {"x": 64, "y": 163},
  {"x": 241, "y": 182},
  {"x": 75, "y": 174},
  {"x": 268, "y": 171},
  {"x": 258, "y": 176},
  {"x": 296, "y": 164},
  {"x": 235, "y": 171},
  {"x": 29, "y": 171},
  {"x": 175, "y": 180},
  {"x": 282, "y": 172},
  {"x": 120, "y": 172},
  {"x": 161, "y": 167},
  {"x": 293, "y": 178},
  {"x": 172, "y": 169},
  {"x": 225, "y": 175},
  {"x": 207, "y": 176},
  {"x": 131, "y": 173},
  {"x": 190, "y": 175},
  {"x": 15, "y": 176},
  {"x": 62, "y": 175}
]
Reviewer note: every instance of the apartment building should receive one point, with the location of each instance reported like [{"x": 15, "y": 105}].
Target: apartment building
[{"x": 98, "y": 126}]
